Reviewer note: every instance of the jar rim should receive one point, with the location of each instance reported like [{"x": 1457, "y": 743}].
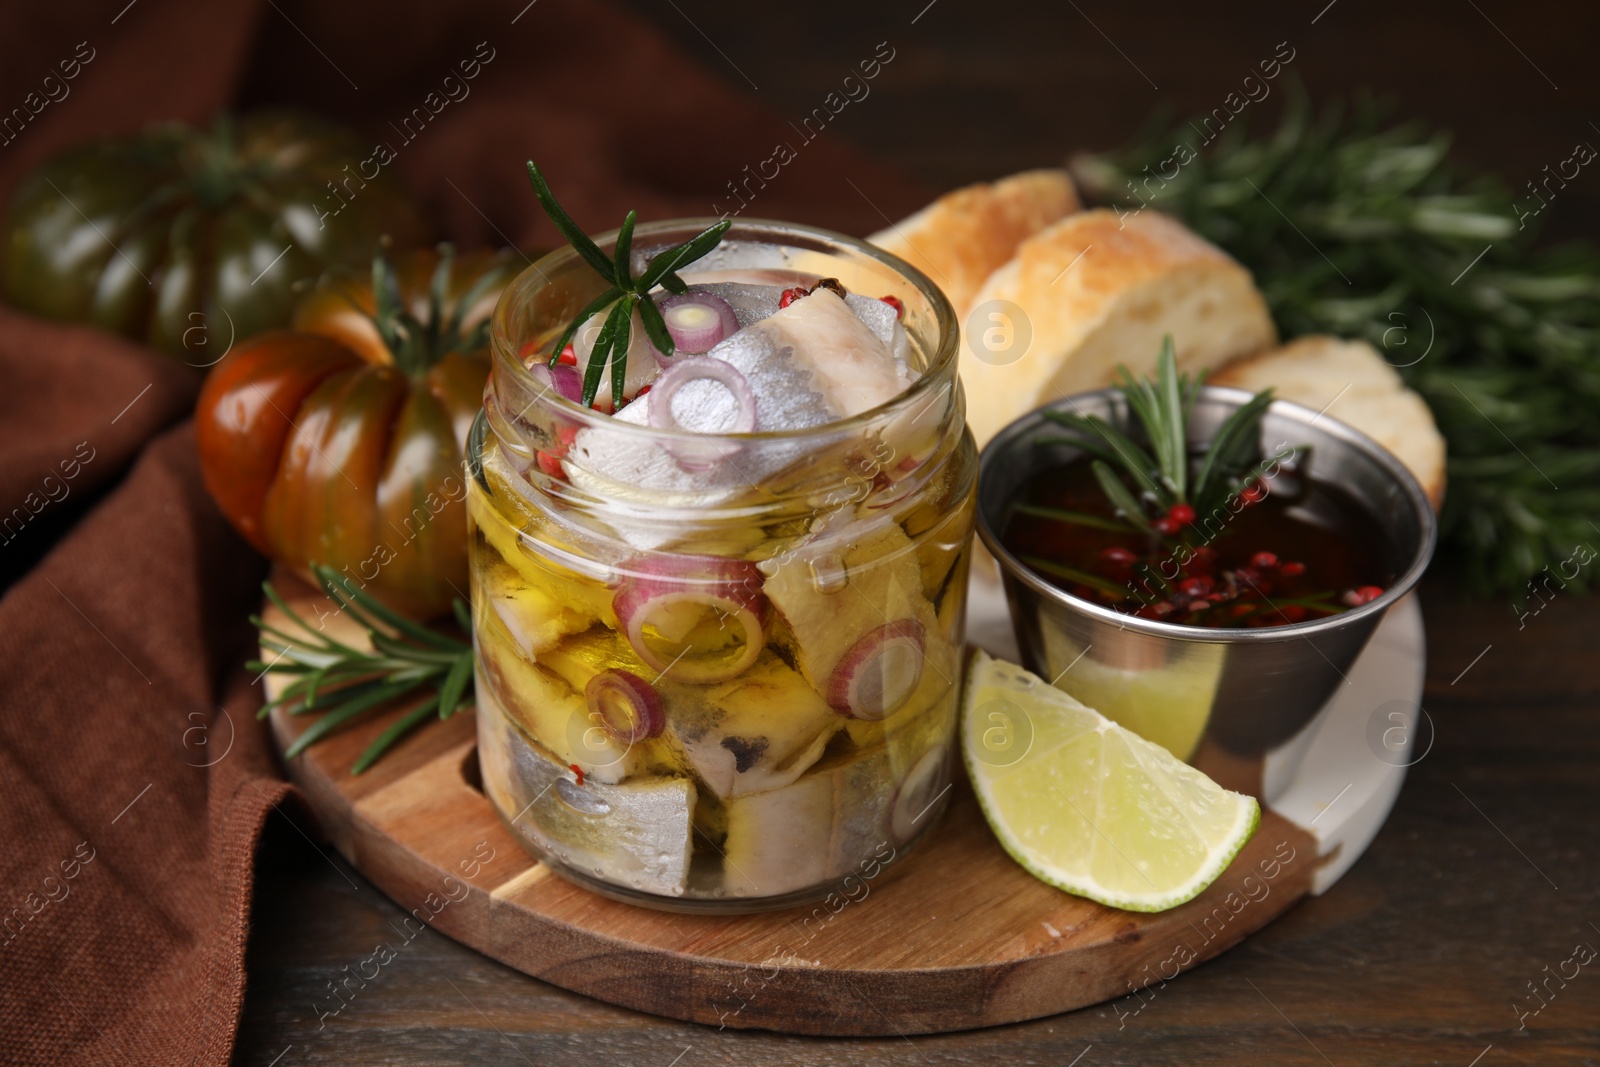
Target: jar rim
[{"x": 940, "y": 366}]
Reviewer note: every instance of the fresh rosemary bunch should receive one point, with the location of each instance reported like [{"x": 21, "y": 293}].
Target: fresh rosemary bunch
[
  {"x": 1170, "y": 495},
  {"x": 625, "y": 291},
  {"x": 1358, "y": 226},
  {"x": 344, "y": 682}
]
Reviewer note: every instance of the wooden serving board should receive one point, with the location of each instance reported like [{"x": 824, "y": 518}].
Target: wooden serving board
[{"x": 954, "y": 936}]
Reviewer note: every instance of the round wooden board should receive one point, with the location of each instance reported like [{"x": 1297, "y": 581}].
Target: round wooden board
[{"x": 954, "y": 936}]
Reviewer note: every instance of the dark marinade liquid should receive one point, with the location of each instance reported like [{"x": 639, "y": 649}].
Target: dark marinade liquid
[{"x": 1329, "y": 551}]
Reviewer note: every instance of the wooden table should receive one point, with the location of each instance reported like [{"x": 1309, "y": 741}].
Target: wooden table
[{"x": 1488, "y": 872}]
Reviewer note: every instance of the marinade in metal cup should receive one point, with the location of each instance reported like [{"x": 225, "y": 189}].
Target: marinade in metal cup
[{"x": 719, "y": 671}]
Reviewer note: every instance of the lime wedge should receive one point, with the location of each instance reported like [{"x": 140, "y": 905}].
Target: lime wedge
[{"x": 1088, "y": 806}]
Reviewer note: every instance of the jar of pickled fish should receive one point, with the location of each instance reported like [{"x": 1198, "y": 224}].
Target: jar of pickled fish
[{"x": 719, "y": 627}]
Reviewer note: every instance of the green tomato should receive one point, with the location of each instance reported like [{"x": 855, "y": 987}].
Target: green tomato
[{"x": 189, "y": 240}]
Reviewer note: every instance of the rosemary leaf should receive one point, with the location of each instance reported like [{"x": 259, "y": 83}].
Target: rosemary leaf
[
  {"x": 308, "y": 657},
  {"x": 401, "y": 726},
  {"x": 1235, "y": 444},
  {"x": 455, "y": 684},
  {"x": 621, "y": 256},
  {"x": 655, "y": 326},
  {"x": 343, "y": 712},
  {"x": 667, "y": 263},
  {"x": 1086, "y": 439},
  {"x": 1073, "y": 574},
  {"x": 576, "y": 237},
  {"x": 621, "y": 339},
  {"x": 599, "y": 356},
  {"x": 1175, "y": 450},
  {"x": 345, "y": 591},
  {"x": 1076, "y": 518},
  {"x": 599, "y": 304},
  {"x": 1130, "y": 456},
  {"x": 295, "y": 704},
  {"x": 399, "y": 649},
  {"x": 1119, "y": 495},
  {"x": 322, "y": 640}
]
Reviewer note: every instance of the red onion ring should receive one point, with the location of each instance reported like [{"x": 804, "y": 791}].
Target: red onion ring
[
  {"x": 730, "y": 587},
  {"x": 564, "y": 379},
  {"x": 697, "y": 320},
  {"x": 879, "y": 673},
  {"x": 708, "y": 451},
  {"x": 628, "y": 707},
  {"x": 697, "y": 368}
]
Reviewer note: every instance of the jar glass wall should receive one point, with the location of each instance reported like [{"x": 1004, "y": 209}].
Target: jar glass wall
[{"x": 720, "y": 672}]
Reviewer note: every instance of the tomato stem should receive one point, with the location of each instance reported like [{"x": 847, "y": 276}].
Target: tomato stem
[{"x": 418, "y": 343}]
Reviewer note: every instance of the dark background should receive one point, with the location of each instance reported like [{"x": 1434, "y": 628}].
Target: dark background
[
  {"x": 986, "y": 87},
  {"x": 978, "y": 88}
]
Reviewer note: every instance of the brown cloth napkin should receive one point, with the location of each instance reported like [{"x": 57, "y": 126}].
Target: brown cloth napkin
[{"x": 136, "y": 777}]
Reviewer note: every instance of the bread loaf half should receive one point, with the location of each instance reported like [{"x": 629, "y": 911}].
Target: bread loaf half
[
  {"x": 1094, "y": 291},
  {"x": 1351, "y": 382},
  {"x": 964, "y": 236}
]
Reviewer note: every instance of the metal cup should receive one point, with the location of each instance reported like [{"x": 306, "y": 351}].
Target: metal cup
[{"x": 1224, "y": 700}]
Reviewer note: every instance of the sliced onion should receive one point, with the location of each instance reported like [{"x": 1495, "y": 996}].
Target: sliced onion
[
  {"x": 697, "y": 320},
  {"x": 565, "y": 380},
  {"x": 918, "y": 793},
  {"x": 880, "y": 672},
  {"x": 697, "y": 368},
  {"x": 670, "y": 593},
  {"x": 628, "y": 707},
  {"x": 708, "y": 450}
]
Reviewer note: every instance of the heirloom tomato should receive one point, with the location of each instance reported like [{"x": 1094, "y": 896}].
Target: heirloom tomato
[
  {"x": 191, "y": 240},
  {"x": 341, "y": 441}
]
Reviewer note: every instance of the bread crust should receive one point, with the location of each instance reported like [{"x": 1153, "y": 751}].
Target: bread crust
[
  {"x": 1080, "y": 292},
  {"x": 1351, "y": 382},
  {"x": 964, "y": 236},
  {"x": 1095, "y": 291}
]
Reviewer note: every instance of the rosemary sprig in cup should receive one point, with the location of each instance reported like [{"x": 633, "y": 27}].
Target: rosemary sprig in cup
[
  {"x": 1155, "y": 490},
  {"x": 626, "y": 291},
  {"x": 343, "y": 682},
  {"x": 1166, "y": 499}
]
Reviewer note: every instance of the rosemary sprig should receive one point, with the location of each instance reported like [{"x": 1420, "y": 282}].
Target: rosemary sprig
[
  {"x": 625, "y": 291},
  {"x": 1358, "y": 226},
  {"x": 1162, "y": 475},
  {"x": 344, "y": 682},
  {"x": 1099, "y": 584},
  {"x": 1075, "y": 518}
]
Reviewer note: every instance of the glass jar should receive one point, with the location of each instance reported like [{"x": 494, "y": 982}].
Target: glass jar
[{"x": 720, "y": 672}]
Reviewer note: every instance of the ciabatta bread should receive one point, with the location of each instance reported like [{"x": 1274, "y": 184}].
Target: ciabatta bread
[
  {"x": 1094, "y": 291},
  {"x": 964, "y": 236},
  {"x": 1351, "y": 382}
]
